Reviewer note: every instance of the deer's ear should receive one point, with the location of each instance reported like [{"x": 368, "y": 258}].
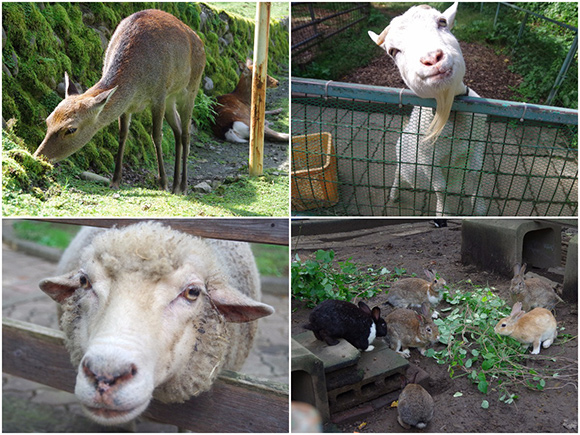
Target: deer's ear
[
  {"x": 100, "y": 100},
  {"x": 69, "y": 86}
]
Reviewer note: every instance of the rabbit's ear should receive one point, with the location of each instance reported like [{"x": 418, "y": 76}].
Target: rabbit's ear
[
  {"x": 523, "y": 269},
  {"x": 376, "y": 313},
  {"x": 425, "y": 310},
  {"x": 516, "y": 308},
  {"x": 517, "y": 269},
  {"x": 429, "y": 274},
  {"x": 364, "y": 307}
]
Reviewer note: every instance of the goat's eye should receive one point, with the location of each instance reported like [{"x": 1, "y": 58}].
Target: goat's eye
[
  {"x": 393, "y": 51},
  {"x": 69, "y": 130},
  {"x": 191, "y": 292},
  {"x": 442, "y": 22}
]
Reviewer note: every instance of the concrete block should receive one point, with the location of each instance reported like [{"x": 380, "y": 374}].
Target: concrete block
[
  {"x": 380, "y": 369},
  {"x": 308, "y": 381},
  {"x": 334, "y": 357},
  {"x": 498, "y": 244},
  {"x": 570, "y": 290}
]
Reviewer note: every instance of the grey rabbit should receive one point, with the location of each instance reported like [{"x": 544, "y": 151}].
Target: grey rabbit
[
  {"x": 532, "y": 292},
  {"x": 415, "y": 406},
  {"x": 332, "y": 319},
  {"x": 407, "y": 328},
  {"x": 412, "y": 292}
]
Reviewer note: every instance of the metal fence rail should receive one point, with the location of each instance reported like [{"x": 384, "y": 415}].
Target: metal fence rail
[
  {"x": 529, "y": 154},
  {"x": 313, "y": 23}
]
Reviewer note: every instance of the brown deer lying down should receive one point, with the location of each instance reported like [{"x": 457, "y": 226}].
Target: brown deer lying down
[
  {"x": 153, "y": 60},
  {"x": 232, "y": 121}
]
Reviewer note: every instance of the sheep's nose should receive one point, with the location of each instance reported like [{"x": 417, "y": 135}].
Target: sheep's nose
[
  {"x": 432, "y": 58},
  {"x": 104, "y": 380}
]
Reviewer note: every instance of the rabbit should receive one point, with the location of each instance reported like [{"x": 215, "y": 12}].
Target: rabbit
[
  {"x": 407, "y": 328},
  {"x": 415, "y": 407},
  {"x": 332, "y": 319},
  {"x": 536, "y": 327},
  {"x": 412, "y": 292},
  {"x": 532, "y": 292}
]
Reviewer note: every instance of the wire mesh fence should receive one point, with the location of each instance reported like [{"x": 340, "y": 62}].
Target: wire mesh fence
[
  {"x": 359, "y": 151},
  {"x": 545, "y": 47},
  {"x": 313, "y": 23}
]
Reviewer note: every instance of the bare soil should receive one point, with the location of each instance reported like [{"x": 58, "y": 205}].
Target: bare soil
[
  {"x": 487, "y": 73},
  {"x": 420, "y": 245}
]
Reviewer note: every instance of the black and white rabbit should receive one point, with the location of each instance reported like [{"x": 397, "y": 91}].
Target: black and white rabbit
[{"x": 332, "y": 319}]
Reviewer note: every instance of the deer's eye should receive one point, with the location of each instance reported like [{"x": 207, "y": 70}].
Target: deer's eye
[{"x": 69, "y": 131}]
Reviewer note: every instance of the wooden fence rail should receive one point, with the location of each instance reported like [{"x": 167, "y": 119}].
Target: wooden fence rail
[
  {"x": 262, "y": 230},
  {"x": 236, "y": 403}
]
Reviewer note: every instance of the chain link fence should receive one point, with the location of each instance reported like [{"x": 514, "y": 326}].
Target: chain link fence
[
  {"x": 313, "y": 23},
  {"x": 494, "y": 158}
]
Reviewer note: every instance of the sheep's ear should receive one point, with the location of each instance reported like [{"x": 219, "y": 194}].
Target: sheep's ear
[
  {"x": 237, "y": 307},
  {"x": 61, "y": 287},
  {"x": 449, "y": 14}
]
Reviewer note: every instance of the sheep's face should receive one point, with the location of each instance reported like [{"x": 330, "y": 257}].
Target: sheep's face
[
  {"x": 426, "y": 52},
  {"x": 139, "y": 330}
]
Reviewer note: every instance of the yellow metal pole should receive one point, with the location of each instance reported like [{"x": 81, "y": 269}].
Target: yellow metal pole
[{"x": 258, "y": 109}]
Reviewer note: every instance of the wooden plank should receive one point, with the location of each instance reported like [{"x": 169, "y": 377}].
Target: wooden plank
[
  {"x": 264, "y": 230},
  {"x": 236, "y": 403}
]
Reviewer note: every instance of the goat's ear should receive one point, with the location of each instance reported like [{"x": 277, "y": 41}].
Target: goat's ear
[
  {"x": 379, "y": 39},
  {"x": 236, "y": 307},
  {"x": 60, "y": 287},
  {"x": 449, "y": 14}
]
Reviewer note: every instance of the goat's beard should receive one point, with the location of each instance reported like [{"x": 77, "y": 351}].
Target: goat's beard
[{"x": 444, "y": 102}]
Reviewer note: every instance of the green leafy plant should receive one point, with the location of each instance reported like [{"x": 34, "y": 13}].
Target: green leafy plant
[
  {"x": 318, "y": 279},
  {"x": 491, "y": 361}
]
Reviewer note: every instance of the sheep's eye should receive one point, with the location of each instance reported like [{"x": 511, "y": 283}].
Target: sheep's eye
[
  {"x": 84, "y": 281},
  {"x": 442, "y": 22},
  {"x": 393, "y": 51},
  {"x": 191, "y": 292},
  {"x": 69, "y": 130}
]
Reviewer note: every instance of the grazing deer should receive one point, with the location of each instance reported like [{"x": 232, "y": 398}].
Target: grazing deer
[
  {"x": 153, "y": 60},
  {"x": 232, "y": 120}
]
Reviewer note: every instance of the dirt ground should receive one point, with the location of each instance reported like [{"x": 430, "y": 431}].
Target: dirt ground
[
  {"x": 420, "y": 245},
  {"x": 486, "y": 73},
  {"x": 217, "y": 161}
]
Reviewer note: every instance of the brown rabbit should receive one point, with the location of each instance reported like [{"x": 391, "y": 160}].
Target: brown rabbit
[
  {"x": 538, "y": 327},
  {"x": 407, "y": 328},
  {"x": 412, "y": 292},
  {"x": 531, "y": 292}
]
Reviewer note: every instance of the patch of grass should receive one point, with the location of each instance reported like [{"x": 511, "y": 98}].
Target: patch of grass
[
  {"x": 491, "y": 361},
  {"x": 272, "y": 260},
  {"x": 45, "y": 233},
  {"x": 278, "y": 10}
]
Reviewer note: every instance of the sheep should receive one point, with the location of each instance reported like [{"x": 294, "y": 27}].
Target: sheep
[
  {"x": 448, "y": 158},
  {"x": 150, "y": 312}
]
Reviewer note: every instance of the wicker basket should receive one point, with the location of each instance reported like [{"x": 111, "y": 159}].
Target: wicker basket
[{"x": 314, "y": 172}]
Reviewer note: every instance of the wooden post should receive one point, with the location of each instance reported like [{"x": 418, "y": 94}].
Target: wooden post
[{"x": 258, "y": 109}]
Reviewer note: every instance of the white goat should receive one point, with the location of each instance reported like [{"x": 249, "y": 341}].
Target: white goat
[
  {"x": 446, "y": 160},
  {"x": 149, "y": 312}
]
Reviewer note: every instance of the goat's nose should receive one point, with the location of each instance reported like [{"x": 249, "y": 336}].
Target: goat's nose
[
  {"x": 105, "y": 379},
  {"x": 432, "y": 58}
]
